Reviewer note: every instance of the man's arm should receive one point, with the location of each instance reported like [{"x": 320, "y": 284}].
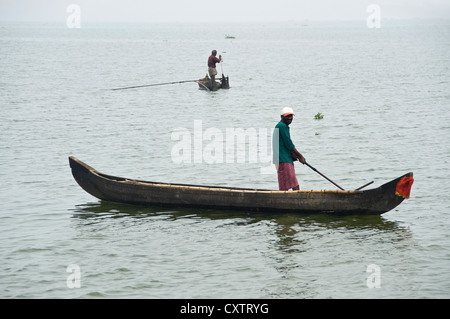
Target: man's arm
[{"x": 297, "y": 156}]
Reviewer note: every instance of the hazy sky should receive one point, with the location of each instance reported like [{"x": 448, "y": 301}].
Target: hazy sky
[{"x": 219, "y": 11}]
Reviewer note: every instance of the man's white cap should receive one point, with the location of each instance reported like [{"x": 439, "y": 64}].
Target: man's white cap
[{"x": 286, "y": 111}]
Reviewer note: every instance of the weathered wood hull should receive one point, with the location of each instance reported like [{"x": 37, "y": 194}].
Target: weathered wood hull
[
  {"x": 205, "y": 83},
  {"x": 117, "y": 189}
]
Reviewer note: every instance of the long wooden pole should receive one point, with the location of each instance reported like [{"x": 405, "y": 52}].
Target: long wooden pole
[
  {"x": 141, "y": 86},
  {"x": 363, "y": 186},
  {"x": 323, "y": 176}
]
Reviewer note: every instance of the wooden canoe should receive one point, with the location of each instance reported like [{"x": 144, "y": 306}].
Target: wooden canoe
[
  {"x": 118, "y": 189},
  {"x": 205, "y": 83}
]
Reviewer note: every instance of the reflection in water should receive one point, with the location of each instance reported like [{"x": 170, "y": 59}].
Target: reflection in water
[
  {"x": 285, "y": 220},
  {"x": 305, "y": 252},
  {"x": 292, "y": 230},
  {"x": 290, "y": 226},
  {"x": 118, "y": 210},
  {"x": 287, "y": 225},
  {"x": 309, "y": 246}
]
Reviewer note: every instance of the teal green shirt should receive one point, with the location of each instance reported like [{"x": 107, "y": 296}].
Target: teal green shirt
[{"x": 282, "y": 139}]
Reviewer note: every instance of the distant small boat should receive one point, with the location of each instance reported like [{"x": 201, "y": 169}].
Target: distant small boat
[
  {"x": 205, "y": 83},
  {"x": 118, "y": 189},
  {"x": 227, "y": 36}
]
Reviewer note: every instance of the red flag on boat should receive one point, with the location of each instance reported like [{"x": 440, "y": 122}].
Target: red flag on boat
[{"x": 404, "y": 186}]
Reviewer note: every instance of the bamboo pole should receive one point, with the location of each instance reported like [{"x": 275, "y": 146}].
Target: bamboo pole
[{"x": 141, "y": 86}]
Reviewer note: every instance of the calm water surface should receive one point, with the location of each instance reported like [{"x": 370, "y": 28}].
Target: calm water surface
[{"x": 384, "y": 94}]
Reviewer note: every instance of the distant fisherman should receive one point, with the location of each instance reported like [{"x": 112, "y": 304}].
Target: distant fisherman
[
  {"x": 212, "y": 60},
  {"x": 287, "y": 153}
]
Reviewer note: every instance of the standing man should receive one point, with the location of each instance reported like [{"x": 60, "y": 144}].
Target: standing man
[
  {"x": 212, "y": 60},
  {"x": 285, "y": 153}
]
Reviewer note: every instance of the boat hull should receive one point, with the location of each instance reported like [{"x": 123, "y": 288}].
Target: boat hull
[
  {"x": 205, "y": 83},
  {"x": 118, "y": 189}
]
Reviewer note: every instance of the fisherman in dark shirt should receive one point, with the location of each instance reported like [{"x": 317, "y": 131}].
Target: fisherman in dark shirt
[{"x": 212, "y": 60}]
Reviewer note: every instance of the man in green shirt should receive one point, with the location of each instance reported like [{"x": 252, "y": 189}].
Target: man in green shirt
[{"x": 284, "y": 152}]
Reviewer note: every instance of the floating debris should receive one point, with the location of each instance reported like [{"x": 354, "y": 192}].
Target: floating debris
[{"x": 318, "y": 116}]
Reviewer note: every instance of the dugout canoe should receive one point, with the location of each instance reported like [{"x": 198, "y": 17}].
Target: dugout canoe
[
  {"x": 222, "y": 83},
  {"x": 118, "y": 189}
]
